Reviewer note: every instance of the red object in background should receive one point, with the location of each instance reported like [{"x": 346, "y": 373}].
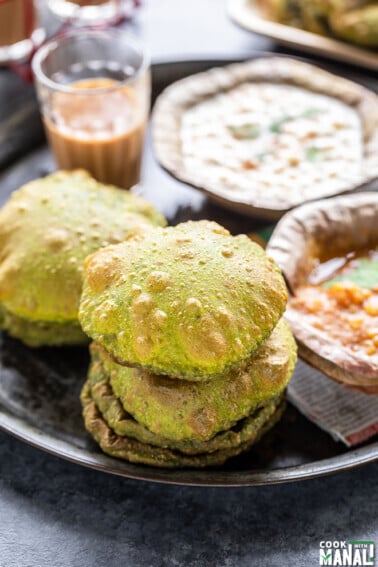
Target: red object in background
[
  {"x": 29, "y": 17},
  {"x": 25, "y": 18},
  {"x": 23, "y": 70}
]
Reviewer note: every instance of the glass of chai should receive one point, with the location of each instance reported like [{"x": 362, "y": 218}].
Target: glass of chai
[
  {"x": 20, "y": 31},
  {"x": 94, "y": 90}
]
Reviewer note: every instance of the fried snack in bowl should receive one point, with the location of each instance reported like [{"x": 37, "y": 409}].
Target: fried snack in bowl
[
  {"x": 354, "y": 21},
  {"x": 359, "y": 26},
  {"x": 47, "y": 228}
]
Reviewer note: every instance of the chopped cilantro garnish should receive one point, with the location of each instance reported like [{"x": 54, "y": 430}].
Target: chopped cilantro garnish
[
  {"x": 364, "y": 275},
  {"x": 314, "y": 154},
  {"x": 311, "y": 112},
  {"x": 308, "y": 113},
  {"x": 260, "y": 156},
  {"x": 276, "y": 125}
]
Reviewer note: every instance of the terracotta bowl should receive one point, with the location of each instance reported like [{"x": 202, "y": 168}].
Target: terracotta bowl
[
  {"x": 186, "y": 93},
  {"x": 322, "y": 230}
]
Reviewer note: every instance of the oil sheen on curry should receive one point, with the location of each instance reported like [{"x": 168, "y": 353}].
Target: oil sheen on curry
[{"x": 341, "y": 299}]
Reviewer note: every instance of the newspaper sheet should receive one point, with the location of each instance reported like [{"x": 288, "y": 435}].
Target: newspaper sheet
[{"x": 348, "y": 416}]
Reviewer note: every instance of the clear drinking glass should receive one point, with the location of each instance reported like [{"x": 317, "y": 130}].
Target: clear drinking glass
[
  {"x": 86, "y": 11},
  {"x": 20, "y": 31},
  {"x": 94, "y": 93}
]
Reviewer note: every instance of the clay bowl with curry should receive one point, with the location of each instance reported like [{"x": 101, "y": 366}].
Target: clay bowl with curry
[{"x": 328, "y": 253}]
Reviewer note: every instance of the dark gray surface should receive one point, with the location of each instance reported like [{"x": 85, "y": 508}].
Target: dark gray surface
[{"x": 56, "y": 514}]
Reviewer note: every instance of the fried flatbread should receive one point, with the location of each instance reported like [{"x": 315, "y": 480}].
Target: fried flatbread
[
  {"x": 47, "y": 228},
  {"x": 189, "y": 301},
  {"x": 124, "y": 447},
  {"x": 123, "y": 424},
  {"x": 183, "y": 411}
]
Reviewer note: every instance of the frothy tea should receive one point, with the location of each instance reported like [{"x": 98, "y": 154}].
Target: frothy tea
[{"x": 101, "y": 131}]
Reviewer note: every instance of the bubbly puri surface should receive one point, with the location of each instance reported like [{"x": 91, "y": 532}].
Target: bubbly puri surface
[
  {"x": 41, "y": 333},
  {"x": 189, "y": 301},
  {"x": 185, "y": 410},
  {"x": 47, "y": 228},
  {"x": 131, "y": 449},
  {"x": 124, "y": 424}
]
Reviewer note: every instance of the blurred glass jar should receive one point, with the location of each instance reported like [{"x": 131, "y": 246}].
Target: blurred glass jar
[
  {"x": 88, "y": 12},
  {"x": 20, "y": 30}
]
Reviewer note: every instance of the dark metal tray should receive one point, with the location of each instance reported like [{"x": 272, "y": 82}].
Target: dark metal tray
[{"x": 39, "y": 389}]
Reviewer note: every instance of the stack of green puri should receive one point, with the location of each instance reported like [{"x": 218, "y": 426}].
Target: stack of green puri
[
  {"x": 47, "y": 228},
  {"x": 190, "y": 356}
]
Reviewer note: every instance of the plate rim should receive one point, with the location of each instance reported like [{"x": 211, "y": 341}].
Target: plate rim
[
  {"x": 48, "y": 443},
  {"x": 247, "y": 15}
]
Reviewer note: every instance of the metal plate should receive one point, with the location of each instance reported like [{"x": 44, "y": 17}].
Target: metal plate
[
  {"x": 248, "y": 15},
  {"x": 39, "y": 389}
]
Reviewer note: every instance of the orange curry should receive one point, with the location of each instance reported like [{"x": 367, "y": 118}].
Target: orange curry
[{"x": 341, "y": 304}]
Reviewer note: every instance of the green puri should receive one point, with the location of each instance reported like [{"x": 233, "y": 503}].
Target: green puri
[
  {"x": 359, "y": 26},
  {"x": 184, "y": 410},
  {"x": 189, "y": 301},
  {"x": 124, "y": 447},
  {"x": 98, "y": 387},
  {"x": 47, "y": 228}
]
